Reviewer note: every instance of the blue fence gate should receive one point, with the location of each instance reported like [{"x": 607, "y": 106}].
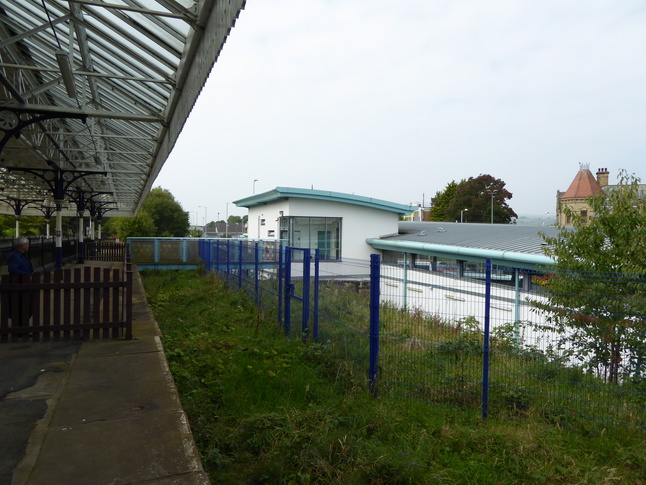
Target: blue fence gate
[{"x": 300, "y": 303}]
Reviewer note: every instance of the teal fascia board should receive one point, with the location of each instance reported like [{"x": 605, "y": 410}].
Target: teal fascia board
[
  {"x": 501, "y": 258},
  {"x": 283, "y": 193}
]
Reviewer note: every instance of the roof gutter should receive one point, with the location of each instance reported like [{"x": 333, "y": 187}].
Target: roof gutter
[
  {"x": 503, "y": 258},
  {"x": 282, "y": 193}
]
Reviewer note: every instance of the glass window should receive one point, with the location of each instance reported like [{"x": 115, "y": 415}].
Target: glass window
[{"x": 322, "y": 233}]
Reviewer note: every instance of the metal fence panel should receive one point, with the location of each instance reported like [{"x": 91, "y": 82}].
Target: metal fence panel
[{"x": 482, "y": 339}]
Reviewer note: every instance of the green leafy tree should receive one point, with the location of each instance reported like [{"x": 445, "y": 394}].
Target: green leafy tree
[
  {"x": 170, "y": 219},
  {"x": 597, "y": 289},
  {"x": 473, "y": 197},
  {"x": 195, "y": 232},
  {"x": 109, "y": 226},
  {"x": 160, "y": 215},
  {"x": 32, "y": 225},
  {"x": 29, "y": 225},
  {"x": 475, "y": 194},
  {"x": 143, "y": 225},
  {"x": 7, "y": 225},
  {"x": 441, "y": 202}
]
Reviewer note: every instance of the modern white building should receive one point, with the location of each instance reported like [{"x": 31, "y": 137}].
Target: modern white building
[{"x": 335, "y": 223}]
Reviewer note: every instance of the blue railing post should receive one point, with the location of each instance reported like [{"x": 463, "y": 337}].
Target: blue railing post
[
  {"x": 375, "y": 281},
  {"x": 281, "y": 275},
  {"x": 307, "y": 262},
  {"x": 485, "y": 353},
  {"x": 212, "y": 246},
  {"x": 256, "y": 269},
  {"x": 288, "y": 290},
  {"x": 517, "y": 307},
  {"x": 228, "y": 259},
  {"x": 218, "y": 258},
  {"x": 206, "y": 252},
  {"x": 240, "y": 266},
  {"x": 317, "y": 275}
]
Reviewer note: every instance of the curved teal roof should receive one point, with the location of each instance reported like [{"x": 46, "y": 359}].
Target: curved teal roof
[{"x": 283, "y": 193}]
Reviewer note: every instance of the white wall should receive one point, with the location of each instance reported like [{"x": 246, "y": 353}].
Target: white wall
[
  {"x": 358, "y": 223},
  {"x": 270, "y": 213}
]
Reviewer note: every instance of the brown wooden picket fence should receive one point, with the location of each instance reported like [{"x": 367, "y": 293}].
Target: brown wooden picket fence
[
  {"x": 69, "y": 304},
  {"x": 104, "y": 250}
]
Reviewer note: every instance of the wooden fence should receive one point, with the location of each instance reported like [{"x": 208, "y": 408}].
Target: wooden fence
[
  {"x": 104, "y": 250},
  {"x": 79, "y": 303}
]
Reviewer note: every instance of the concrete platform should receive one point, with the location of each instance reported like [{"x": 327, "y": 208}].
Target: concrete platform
[{"x": 94, "y": 412}]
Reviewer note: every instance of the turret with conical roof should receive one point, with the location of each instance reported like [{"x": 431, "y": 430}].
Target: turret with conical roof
[{"x": 576, "y": 196}]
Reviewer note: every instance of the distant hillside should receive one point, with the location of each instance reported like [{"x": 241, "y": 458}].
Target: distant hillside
[{"x": 536, "y": 220}]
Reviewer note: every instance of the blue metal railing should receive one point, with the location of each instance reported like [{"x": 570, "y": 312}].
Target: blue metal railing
[{"x": 439, "y": 338}]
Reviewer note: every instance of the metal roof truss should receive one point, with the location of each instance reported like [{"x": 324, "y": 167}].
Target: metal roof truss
[{"x": 102, "y": 88}]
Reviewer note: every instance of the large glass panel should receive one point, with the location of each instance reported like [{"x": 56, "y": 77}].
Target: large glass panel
[
  {"x": 334, "y": 230},
  {"x": 319, "y": 233},
  {"x": 300, "y": 232}
]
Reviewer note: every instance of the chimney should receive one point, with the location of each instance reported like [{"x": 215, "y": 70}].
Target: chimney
[{"x": 602, "y": 176}]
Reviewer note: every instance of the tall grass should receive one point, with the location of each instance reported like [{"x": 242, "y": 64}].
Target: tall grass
[
  {"x": 428, "y": 358},
  {"x": 266, "y": 409}
]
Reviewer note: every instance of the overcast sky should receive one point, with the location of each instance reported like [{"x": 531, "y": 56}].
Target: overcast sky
[{"x": 395, "y": 99}]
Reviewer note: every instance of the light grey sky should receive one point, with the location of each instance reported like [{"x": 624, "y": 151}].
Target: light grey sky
[{"x": 393, "y": 100}]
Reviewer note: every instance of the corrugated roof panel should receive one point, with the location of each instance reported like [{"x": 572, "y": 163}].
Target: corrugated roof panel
[{"x": 495, "y": 237}]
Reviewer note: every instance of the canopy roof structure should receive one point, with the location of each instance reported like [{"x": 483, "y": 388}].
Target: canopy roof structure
[
  {"x": 284, "y": 193},
  {"x": 93, "y": 95}
]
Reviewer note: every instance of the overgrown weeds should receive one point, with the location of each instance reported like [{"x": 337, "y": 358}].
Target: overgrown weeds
[{"x": 266, "y": 409}]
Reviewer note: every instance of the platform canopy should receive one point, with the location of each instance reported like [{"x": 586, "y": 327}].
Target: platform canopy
[{"x": 94, "y": 94}]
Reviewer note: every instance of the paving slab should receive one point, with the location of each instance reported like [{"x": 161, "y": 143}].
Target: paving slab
[
  {"x": 94, "y": 412},
  {"x": 116, "y": 451},
  {"x": 114, "y": 387}
]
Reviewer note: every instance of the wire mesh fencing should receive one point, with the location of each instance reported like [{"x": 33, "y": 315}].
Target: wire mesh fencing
[
  {"x": 556, "y": 346},
  {"x": 573, "y": 346}
]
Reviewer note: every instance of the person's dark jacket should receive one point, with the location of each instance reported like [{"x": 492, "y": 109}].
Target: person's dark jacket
[{"x": 18, "y": 264}]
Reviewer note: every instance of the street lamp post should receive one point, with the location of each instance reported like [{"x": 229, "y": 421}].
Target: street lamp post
[
  {"x": 461, "y": 214},
  {"x": 492, "y": 192},
  {"x": 205, "y": 221},
  {"x": 254, "y": 185}
]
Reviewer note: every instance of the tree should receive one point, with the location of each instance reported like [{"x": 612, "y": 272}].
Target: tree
[
  {"x": 167, "y": 214},
  {"x": 143, "y": 225},
  {"x": 597, "y": 289},
  {"x": 7, "y": 225},
  {"x": 441, "y": 201},
  {"x": 475, "y": 195},
  {"x": 160, "y": 215},
  {"x": 195, "y": 232}
]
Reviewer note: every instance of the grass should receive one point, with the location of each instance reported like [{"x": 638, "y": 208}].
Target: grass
[{"x": 267, "y": 409}]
